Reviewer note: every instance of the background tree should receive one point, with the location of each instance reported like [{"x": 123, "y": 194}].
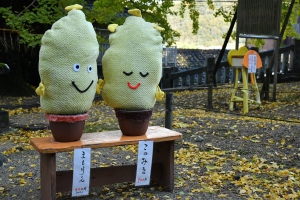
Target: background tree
[
  {"x": 107, "y": 12},
  {"x": 23, "y": 23}
]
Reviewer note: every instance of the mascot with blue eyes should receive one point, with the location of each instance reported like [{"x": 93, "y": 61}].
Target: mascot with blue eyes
[
  {"x": 132, "y": 69},
  {"x": 68, "y": 72}
]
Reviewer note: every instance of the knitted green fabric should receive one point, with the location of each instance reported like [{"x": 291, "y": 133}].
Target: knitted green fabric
[
  {"x": 68, "y": 65},
  {"x": 132, "y": 66}
]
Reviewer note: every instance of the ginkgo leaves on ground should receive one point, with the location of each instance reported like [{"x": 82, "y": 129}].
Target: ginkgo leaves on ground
[{"x": 223, "y": 153}]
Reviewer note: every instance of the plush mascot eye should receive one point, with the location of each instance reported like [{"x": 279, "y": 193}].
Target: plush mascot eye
[
  {"x": 127, "y": 73},
  {"x": 76, "y": 67},
  {"x": 90, "y": 68},
  {"x": 144, "y": 75}
]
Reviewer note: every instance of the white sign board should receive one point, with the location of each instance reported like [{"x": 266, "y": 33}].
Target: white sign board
[
  {"x": 144, "y": 163},
  {"x": 81, "y": 172},
  {"x": 252, "y": 59}
]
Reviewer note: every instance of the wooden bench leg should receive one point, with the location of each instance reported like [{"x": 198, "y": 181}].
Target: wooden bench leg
[
  {"x": 163, "y": 152},
  {"x": 48, "y": 176}
]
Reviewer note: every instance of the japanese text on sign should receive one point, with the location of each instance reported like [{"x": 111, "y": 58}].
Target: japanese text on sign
[
  {"x": 144, "y": 163},
  {"x": 252, "y": 64},
  {"x": 81, "y": 172}
]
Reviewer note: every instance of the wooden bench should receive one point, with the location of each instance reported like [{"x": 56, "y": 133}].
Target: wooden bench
[{"x": 162, "y": 172}]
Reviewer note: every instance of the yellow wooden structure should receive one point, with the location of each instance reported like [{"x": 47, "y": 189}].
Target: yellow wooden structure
[{"x": 241, "y": 60}]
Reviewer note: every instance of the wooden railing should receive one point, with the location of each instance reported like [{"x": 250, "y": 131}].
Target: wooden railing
[
  {"x": 289, "y": 66},
  {"x": 177, "y": 78}
]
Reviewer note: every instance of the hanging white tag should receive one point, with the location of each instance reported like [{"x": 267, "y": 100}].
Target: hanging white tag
[
  {"x": 252, "y": 59},
  {"x": 81, "y": 172},
  {"x": 144, "y": 163}
]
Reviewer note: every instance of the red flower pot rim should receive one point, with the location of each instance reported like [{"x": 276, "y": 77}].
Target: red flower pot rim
[{"x": 67, "y": 118}]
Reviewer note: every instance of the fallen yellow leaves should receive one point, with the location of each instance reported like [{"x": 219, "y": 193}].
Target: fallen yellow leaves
[
  {"x": 22, "y": 139},
  {"x": 21, "y": 174},
  {"x": 222, "y": 195},
  {"x": 19, "y": 178},
  {"x": 22, "y": 182},
  {"x": 33, "y": 165},
  {"x": 263, "y": 180},
  {"x": 19, "y": 111},
  {"x": 201, "y": 166},
  {"x": 212, "y": 167},
  {"x": 11, "y": 168}
]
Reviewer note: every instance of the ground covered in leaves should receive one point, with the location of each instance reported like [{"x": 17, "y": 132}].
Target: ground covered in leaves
[{"x": 223, "y": 154}]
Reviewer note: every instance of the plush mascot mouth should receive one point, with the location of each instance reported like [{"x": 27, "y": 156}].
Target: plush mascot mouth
[
  {"x": 133, "y": 87},
  {"x": 82, "y": 91}
]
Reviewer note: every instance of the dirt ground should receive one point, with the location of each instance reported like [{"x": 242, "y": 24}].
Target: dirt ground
[{"x": 223, "y": 154}]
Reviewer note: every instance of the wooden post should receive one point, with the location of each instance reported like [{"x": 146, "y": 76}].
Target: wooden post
[
  {"x": 285, "y": 62},
  {"x": 4, "y": 119},
  {"x": 209, "y": 96},
  {"x": 48, "y": 176},
  {"x": 292, "y": 56},
  {"x": 235, "y": 87},
  {"x": 167, "y": 81},
  {"x": 209, "y": 64},
  {"x": 163, "y": 152},
  {"x": 266, "y": 86},
  {"x": 296, "y": 56},
  {"x": 169, "y": 110},
  {"x": 275, "y": 70},
  {"x": 245, "y": 90}
]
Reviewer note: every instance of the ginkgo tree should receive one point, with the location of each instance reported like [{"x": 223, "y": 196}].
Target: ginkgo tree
[
  {"x": 24, "y": 23},
  {"x": 106, "y": 11},
  {"x": 36, "y": 14},
  {"x": 32, "y": 16}
]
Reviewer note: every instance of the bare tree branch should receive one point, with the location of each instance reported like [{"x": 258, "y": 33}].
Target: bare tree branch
[{"x": 26, "y": 8}]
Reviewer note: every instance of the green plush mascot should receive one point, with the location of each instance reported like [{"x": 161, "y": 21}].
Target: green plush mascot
[{"x": 132, "y": 66}]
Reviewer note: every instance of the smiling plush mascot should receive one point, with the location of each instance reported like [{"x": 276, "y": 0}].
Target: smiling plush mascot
[
  {"x": 132, "y": 66},
  {"x": 68, "y": 65}
]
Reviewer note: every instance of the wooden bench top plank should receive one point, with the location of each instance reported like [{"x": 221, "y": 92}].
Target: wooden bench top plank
[{"x": 103, "y": 139}]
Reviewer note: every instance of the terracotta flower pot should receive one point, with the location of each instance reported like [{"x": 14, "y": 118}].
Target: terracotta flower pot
[
  {"x": 67, "y": 128},
  {"x": 133, "y": 123}
]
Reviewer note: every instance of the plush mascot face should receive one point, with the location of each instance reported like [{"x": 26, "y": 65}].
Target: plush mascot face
[
  {"x": 68, "y": 65},
  {"x": 132, "y": 66}
]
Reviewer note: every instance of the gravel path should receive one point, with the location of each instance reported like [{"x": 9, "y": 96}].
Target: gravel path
[{"x": 223, "y": 155}]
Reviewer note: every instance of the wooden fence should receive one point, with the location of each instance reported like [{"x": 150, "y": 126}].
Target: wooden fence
[
  {"x": 288, "y": 69},
  {"x": 175, "y": 78}
]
